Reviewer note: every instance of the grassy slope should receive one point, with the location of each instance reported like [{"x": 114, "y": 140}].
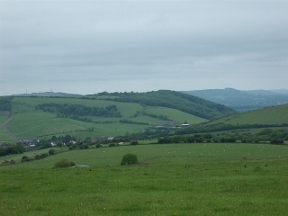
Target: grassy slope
[
  {"x": 3, "y": 134},
  {"x": 176, "y": 100},
  {"x": 270, "y": 115},
  {"x": 181, "y": 179},
  {"x": 27, "y": 122}
]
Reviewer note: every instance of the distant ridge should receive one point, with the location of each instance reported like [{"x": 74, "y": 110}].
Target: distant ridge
[
  {"x": 47, "y": 94},
  {"x": 243, "y": 101}
]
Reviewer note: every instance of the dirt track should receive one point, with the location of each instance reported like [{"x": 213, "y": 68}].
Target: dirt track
[{"x": 4, "y": 127}]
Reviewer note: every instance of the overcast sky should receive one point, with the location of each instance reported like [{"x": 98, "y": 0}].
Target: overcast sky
[{"x": 94, "y": 46}]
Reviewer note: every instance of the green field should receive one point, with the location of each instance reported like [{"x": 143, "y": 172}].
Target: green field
[
  {"x": 178, "y": 179},
  {"x": 270, "y": 115},
  {"x": 27, "y": 122}
]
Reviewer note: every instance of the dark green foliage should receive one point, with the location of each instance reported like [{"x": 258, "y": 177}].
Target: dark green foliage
[
  {"x": 205, "y": 127},
  {"x": 99, "y": 145},
  {"x": 72, "y": 147},
  {"x": 52, "y": 152},
  {"x": 113, "y": 145},
  {"x": 38, "y": 157},
  {"x": 277, "y": 141},
  {"x": 63, "y": 163},
  {"x": 25, "y": 159},
  {"x": 6, "y": 103},
  {"x": 277, "y": 136},
  {"x": 76, "y": 110},
  {"x": 129, "y": 159},
  {"x": 126, "y": 121},
  {"x": 44, "y": 155},
  {"x": 134, "y": 142},
  {"x": 12, "y": 149},
  {"x": 83, "y": 146}
]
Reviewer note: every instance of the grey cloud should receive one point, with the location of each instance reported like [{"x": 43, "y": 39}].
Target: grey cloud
[{"x": 145, "y": 41}]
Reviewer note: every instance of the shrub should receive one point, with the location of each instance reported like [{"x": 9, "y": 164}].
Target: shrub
[
  {"x": 129, "y": 159},
  {"x": 52, "y": 152},
  {"x": 99, "y": 145},
  {"x": 113, "y": 144},
  {"x": 25, "y": 159},
  {"x": 44, "y": 155},
  {"x": 63, "y": 163},
  {"x": 134, "y": 142},
  {"x": 277, "y": 141},
  {"x": 38, "y": 157}
]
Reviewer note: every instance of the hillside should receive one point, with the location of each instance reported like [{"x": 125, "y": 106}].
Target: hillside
[
  {"x": 175, "y": 100},
  {"x": 101, "y": 115},
  {"x": 243, "y": 101},
  {"x": 276, "y": 116}
]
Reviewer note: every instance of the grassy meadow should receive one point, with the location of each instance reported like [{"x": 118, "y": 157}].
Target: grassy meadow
[
  {"x": 177, "y": 179},
  {"x": 270, "y": 115}
]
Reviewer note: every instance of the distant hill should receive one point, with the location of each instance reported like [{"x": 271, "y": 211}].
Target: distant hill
[
  {"x": 175, "y": 100},
  {"x": 276, "y": 116},
  {"x": 243, "y": 100},
  {"x": 102, "y": 114},
  {"x": 48, "y": 94}
]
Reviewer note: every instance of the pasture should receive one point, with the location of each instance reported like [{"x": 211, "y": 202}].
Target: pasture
[
  {"x": 276, "y": 115},
  {"x": 177, "y": 179}
]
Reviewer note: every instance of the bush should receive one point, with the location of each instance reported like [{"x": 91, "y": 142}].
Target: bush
[
  {"x": 129, "y": 159},
  {"x": 52, "y": 151},
  {"x": 99, "y": 146},
  {"x": 277, "y": 141},
  {"x": 38, "y": 157},
  {"x": 63, "y": 163},
  {"x": 134, "y": 142},
  {"x": 25, "y": 159},
  {"x": 113, "y": 144},
  {"x": 44, "y": 155}
]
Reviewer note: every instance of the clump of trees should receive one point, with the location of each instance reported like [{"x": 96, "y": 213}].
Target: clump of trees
[
  {"x": 76, "y": 111},
  {"x": 7, "y": 149},
  {"x": 6, "y": 103},
  {"x": 129, "y": 159}
]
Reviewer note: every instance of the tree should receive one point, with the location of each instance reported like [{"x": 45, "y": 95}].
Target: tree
[
  {"x": 129, "y": 159},
  {"x": 52, "y": 151},
  {"x": 134, "y": 142}
]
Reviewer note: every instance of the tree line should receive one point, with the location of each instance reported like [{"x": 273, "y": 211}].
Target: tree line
[
  {"x": 278, "y": 136},
  {"x": 76, "y": 110}
]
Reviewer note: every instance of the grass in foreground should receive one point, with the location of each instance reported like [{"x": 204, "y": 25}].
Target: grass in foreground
[{"x": 212, "y": 179}]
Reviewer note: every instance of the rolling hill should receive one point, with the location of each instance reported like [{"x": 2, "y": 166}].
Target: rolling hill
[
  {"x": 276, "y": 116},
  {"x": 102, "y": 114}
]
